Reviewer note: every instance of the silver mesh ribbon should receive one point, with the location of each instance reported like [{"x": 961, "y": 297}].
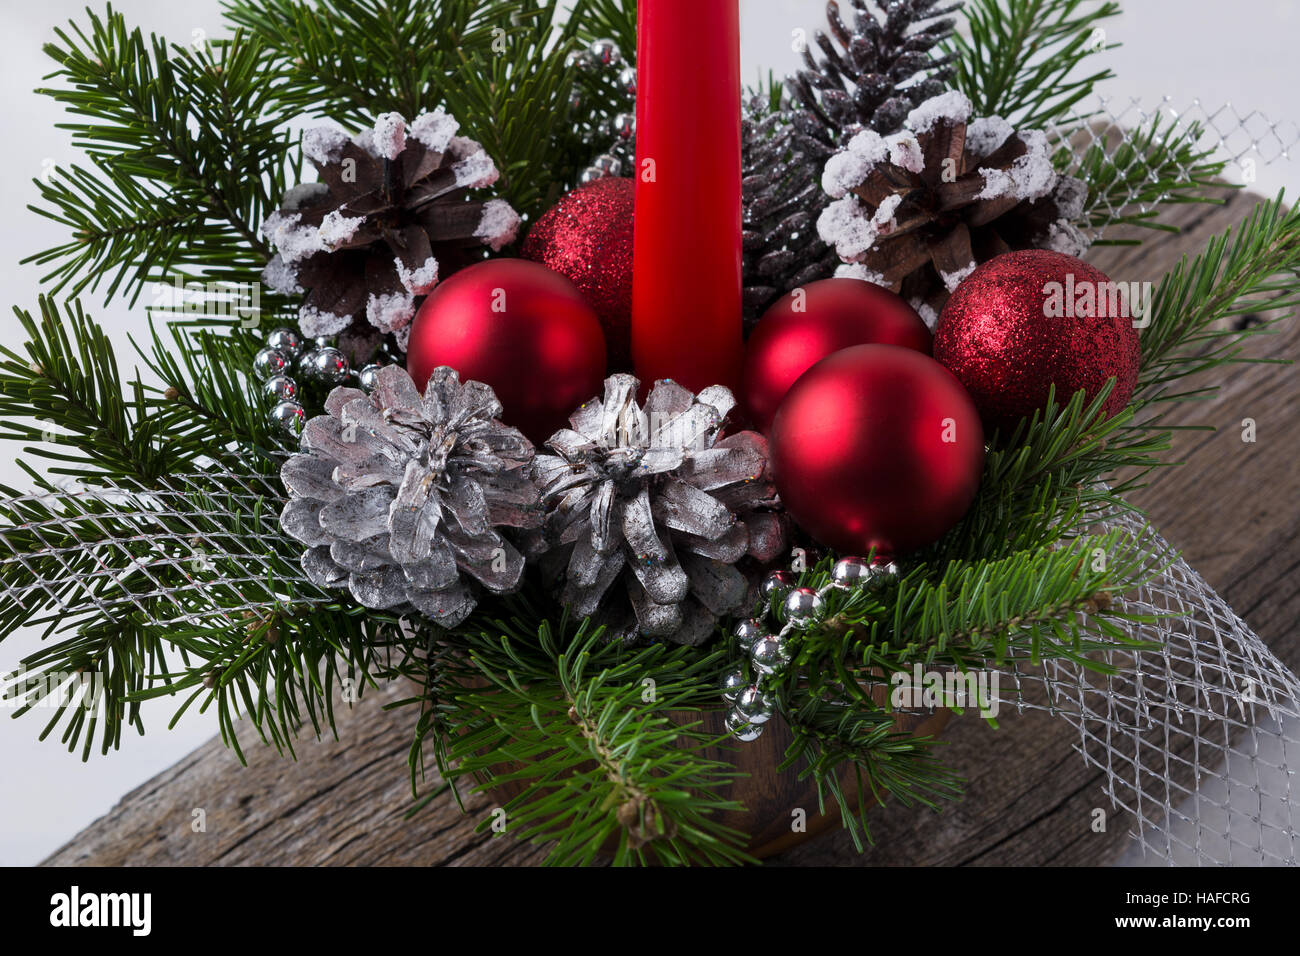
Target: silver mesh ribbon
[
  {"x": 1246, "y": 142},
  {"x": 193, "y": 547},
  {"x": 1194, "y": 740}
]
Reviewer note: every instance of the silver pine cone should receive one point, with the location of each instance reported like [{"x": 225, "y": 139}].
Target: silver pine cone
[
  {"x": 653, "y": 510},
  {"x": 400, "y": 497}
]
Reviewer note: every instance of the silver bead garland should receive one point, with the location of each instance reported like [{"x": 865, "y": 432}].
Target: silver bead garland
[
  {"x": 604, "y": 54},
  {"x": 287, "y": 358},
  {"x": 768, "y": 653}
]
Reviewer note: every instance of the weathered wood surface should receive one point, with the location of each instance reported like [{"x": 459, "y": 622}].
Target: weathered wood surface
[{"x": 1231, "y": 510}]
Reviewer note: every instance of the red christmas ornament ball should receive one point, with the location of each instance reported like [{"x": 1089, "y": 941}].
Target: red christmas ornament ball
[
  {"x": 520, "y": 328},
  {"x": 877, "y": 447},
  {"x": 812, "y": 322},
  {"x": 1025, "y": 321},
  {"x": 587, "y": 238}
]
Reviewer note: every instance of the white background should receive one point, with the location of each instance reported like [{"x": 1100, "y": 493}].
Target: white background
[{"x": 1242, "y": 52}]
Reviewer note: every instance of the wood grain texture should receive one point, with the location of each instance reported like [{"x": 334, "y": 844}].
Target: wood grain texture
[{"x": 1231, "y": 509}]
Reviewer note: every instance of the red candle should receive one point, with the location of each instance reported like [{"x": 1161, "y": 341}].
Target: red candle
[{"x": 686, "y": 282}]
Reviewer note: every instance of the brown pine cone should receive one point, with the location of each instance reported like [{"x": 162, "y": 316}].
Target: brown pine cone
[
  {"x": 917, "y": 211},
  {"x": 389, "y": 217}
]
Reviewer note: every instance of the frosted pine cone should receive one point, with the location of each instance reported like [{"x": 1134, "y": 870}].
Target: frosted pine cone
[
  {"x": 389, "y": 218},
  {"x": 652, "y": 510},
  {"x": 918, "y": 210},
  {"x": 400, "y": 497},
  {"x": 781, "y": 201},
  {"x": 874, "y": 72}
]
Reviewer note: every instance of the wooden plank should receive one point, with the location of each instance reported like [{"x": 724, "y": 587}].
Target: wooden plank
[{"x": 1230, "y": 509}]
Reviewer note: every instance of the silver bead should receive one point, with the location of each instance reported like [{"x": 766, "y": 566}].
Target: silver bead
[
  {"x": 732, "y": 684},
  {"x": 280, "y": 388},
  {"x": 850, "y": 572},
  {"x": 605, "y": 52},
  {"x": 776, "y": 585},
  {"x": 269, "y": 362},
  {"x": 581, "y": 60},
  {"x": 743, "y": 729},
  {"x": 576, "y": 101},
  {"x": 627, "y": 80},
  {"x": 368, "y": 377},
  {"x": 804, "y": 607},
  {"x": 748, "y": 633},
  {"x": 323, "y": 341},
  {"x": 290, "y": 416},
  {"x": 609, "y": 165},
  {"x": 623, "y": 125},
  {"x": 769, "y": 655},
  {"x": 853, "y": 572},
  {"x": 753, "y": 705},
  {"x": 591, "y": 174},
  {"x": 328, "y": 365},
  {"x": 882, "y": 570},
  {"x": 286, "y": 341}
]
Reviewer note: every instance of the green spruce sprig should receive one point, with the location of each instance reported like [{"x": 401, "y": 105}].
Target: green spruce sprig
[
  {"x": 588, "y": 744},
  {"x": 186, "y": 158},
  {"x": 1023, "y": 60}
]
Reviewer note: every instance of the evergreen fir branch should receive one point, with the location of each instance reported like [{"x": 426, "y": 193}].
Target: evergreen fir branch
[
  {"x": 1021, "y": 59},
  {"x": 1055, "y": 473},
  {"x": 610, "y": 19},
  {"x": 1130, "y": 182},
  {"x": 351, "y": 60},
  {"x": 209, "y": 401},
  {"x": 527, "y": 92},
  {"x": 68, "y": 392},
  {"x": 832, "y": 737},
  {"x": 137, "y": 576},
  {"x": 499, "y": 67},
  {"x": 978, "y": 613},
  {"x": 1251, "y": 268},
  {"x": 186, "y": 159},
  {"x": 582, "y": 728}
]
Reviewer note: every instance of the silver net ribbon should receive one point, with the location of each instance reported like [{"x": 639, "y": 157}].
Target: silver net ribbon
[
  {"x": 1196, "y": 741},
  {"x": 193, "y": 547}
]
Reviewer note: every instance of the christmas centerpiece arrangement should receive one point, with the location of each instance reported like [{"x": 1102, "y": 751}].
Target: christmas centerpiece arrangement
[{"x": 629, "y": 417}]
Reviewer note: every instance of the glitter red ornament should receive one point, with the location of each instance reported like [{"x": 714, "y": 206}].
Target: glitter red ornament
[
  {"x": 812, "y": 322},
  {"x": 520, "y": 328},
  {"x": 587, "y": 238},
  {"x": 879, "y": 447},
  {"x": 1026, "y": 321}
]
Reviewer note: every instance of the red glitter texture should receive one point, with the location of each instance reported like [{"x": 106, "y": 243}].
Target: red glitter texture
[
  {"x": 996, "y": 337},
  {"x": 587, "y": 238}
]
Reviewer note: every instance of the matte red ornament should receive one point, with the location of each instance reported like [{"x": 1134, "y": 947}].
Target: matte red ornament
[
  {"x": 587, "y": 238},
  {"x": 812, "y": 322},
  {"x": 520, "y": 328},
  {"x": 879, "y": 447},
  {"x": 1026, "y": 321}
]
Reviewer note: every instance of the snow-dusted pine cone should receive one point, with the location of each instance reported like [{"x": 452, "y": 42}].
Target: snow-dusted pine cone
[
  {"x": 649, "y": 511},
  {"x": 389, "y": 217},
  {"x": 781, "y": 199},
  {"x": 398, "y": 497},
  {"x": 918, "y": 210},
  {"x": 873, "y": 73}
]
